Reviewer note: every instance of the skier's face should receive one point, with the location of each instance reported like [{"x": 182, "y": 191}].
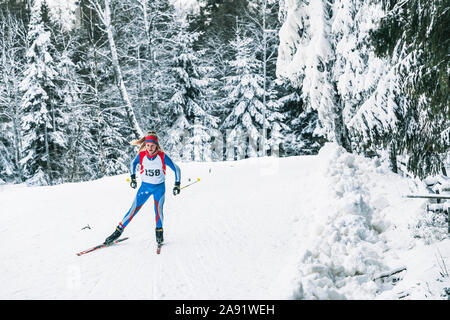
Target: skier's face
[{"x": 151, "y": 147}]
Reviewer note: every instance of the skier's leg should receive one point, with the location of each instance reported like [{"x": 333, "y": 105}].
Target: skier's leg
[
  {"x": 141, "y": 197},
  {"x": 159, "y": 197}
]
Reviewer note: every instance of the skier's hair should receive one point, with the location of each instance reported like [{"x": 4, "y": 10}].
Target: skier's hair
[{"x": 141, "y": 142}]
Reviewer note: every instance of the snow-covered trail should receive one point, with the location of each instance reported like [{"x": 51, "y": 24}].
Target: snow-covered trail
[
  {"x": 228, "y": 236},
  {"x": 309, "y": 227}
]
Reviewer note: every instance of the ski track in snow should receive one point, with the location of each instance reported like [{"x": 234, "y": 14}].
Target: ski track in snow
[{"x": 240, "y": 233}]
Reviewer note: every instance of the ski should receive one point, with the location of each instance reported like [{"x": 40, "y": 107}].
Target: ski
[{"x": 101, "y": 246}]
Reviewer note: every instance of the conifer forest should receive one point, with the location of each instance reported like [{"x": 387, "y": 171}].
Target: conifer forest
[{"x": 220, "y": 81}]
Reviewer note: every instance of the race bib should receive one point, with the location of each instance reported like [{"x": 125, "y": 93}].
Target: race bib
[{"x": 152, "y": 170}]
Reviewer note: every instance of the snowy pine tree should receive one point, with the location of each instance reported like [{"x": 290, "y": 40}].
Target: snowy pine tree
[
  {"x": 305, "y": 58},
  {"x": 244, "y": 94},
  {"x": 355, "y": 92},
  {"x": 414, "y": 35},
  {"x": 304, "y": 134},
  {"x": 42, "y": 143},
  {"x": 365, "y": 83},
  {"x": 189, "y": 111},
  {"x": 80, "y": 157}
]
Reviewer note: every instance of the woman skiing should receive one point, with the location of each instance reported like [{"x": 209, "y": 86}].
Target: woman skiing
[{"x": 153, "y": 163}]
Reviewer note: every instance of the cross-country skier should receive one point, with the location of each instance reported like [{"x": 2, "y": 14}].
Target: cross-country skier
[{"x": 153, "y": 163}]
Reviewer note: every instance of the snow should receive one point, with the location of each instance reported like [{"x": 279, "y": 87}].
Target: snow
[
  {"x": 307, "y": 227},
  {"x": 63, "y": 11}
]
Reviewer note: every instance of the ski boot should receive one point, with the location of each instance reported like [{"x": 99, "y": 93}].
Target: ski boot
[
  {"x": 159, "y": 235},
  {"x": 116, "y": 234}
]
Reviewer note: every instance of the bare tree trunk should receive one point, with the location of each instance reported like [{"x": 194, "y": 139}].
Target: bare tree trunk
[
  {"x": 393, "y": 157},
  {"x": 8, "y": 62},
  {"x": 17, "y": 136},
  {"x": 341, "y": 132},
  {"x": 99, "y": 122},
  {"x": 147, "y": 23},
  {"x": 47, "y": 154},
  {"x": 105, "y": 16},
  {"x": 97, "y": 102}
]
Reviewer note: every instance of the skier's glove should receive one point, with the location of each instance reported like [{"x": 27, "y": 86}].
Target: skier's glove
[
  {"x": 176, "y": 189},
  {"x": 133, "y": 182}
]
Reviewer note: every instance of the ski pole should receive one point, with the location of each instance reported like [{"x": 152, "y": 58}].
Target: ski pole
[{"x": 190, "y": 184}]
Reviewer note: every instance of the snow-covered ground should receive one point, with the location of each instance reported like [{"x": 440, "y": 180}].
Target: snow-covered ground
[{"x": 309, "y": 227}]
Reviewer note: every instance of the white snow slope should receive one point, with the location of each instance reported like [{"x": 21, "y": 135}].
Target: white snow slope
[{"x": 310, "y": 227}]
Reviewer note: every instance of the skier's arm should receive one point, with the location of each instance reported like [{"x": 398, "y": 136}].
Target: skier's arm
[
  {"x": 133, "y": 165},
  {"x": 174, "y": 167}
]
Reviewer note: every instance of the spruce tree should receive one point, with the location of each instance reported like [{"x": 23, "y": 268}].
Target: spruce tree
[
  {"x": 306, "y": 58},
  {"x": 41, "y": 140},
  {"x": 303, "y": 135},
  {"x": 366, "y": 86},
  {"x": 244, "y": 95},
  {"x": 325, "y": 52},
  {"x": 414, "y": 35},
  {"x": 189, "y": 111}
]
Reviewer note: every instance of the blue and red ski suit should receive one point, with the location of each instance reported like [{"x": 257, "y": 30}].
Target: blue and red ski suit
[{"x": 153, "y": 174}]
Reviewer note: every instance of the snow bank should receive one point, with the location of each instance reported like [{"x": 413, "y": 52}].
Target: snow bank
[{"x": 360, "y": 225}]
